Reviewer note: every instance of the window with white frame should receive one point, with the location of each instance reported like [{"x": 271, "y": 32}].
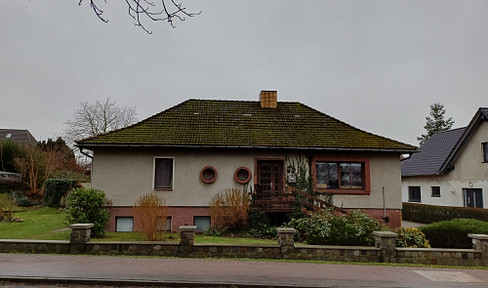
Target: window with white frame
[
  {"x": 414, "y": 194},
  {"x": 436, "y": 191},
  {"x": 163, "y": 173},
  {"x": 124, "y": 224}
]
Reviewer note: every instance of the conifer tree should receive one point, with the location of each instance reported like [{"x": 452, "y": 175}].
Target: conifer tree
[{"x": 435, "y": 122}]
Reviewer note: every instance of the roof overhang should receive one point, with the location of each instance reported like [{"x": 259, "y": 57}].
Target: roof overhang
[{"x": 92, "y": 146}]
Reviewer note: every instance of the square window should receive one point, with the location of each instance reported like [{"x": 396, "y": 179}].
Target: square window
[
  {"x": 485, "y": 151},
  {"x": 202, "y": 222},
  {"x": 165, "y": 225},
  {"x": 163, "y": 173},
  {"x": 124, "y": 224},
  {"x": 414, "y": 194},
  {"x": 436, "y": 191}
]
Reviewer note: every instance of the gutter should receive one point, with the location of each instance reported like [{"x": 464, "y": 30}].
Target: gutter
[{"x": 102, "y": 145}]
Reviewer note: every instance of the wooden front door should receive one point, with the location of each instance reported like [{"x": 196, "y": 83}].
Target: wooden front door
[{"x": 269, "y": 179}]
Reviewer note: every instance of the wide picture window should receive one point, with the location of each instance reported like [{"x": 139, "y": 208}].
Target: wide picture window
[{"x": 340, "y": 175}]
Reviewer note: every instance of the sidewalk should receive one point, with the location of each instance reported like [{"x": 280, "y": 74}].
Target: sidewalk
[{"x": 132, "y": 271}]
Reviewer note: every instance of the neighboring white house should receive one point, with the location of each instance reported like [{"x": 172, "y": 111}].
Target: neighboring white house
[
  {"x": 192, "y": 151},
  {"x": 451, "y": 168}
]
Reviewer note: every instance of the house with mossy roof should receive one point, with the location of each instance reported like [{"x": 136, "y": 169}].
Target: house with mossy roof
[{"x": 192, "y": 151}]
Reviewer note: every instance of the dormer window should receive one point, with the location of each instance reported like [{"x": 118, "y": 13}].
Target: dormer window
[{"x": 484, "y": 148}]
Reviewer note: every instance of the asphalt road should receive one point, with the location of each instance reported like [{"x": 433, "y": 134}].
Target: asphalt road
[{"x": 28, "y": 270}]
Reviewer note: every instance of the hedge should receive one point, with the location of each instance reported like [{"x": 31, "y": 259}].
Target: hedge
[
  {"x": 55, "y": 190},
  {"x": 424, "y": 213},
  {"x": 454, "y": 233}
]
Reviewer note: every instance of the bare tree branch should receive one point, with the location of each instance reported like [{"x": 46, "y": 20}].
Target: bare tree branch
[
  {"x": 100, "y": 117},
  {"x": 167, "y": 10}
]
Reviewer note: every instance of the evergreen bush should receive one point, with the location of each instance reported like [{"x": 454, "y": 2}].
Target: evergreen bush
[
  {"x": 424, "y": 213},
  {"x": 326, "y": 228},
  {"x": 56, "y": 189},
  {"x": 88, "y": 206},
  {"x": 411, "y": 238},
  {"x": 454, "y": 233}
]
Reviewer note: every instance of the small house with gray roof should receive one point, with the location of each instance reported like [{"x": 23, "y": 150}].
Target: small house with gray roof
[
  {"x": 451, "y": 168},
  {"x": 194, "y": 150}
]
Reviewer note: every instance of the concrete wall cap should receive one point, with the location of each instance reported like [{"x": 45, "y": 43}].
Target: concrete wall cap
[
  {"x": 81, "y": 226},
  {"x": 286, "y": 230},
  {"x": 385, "y": 234},
  {"x": 478, "y": 236},
  {"x": 187, "y": 228}
]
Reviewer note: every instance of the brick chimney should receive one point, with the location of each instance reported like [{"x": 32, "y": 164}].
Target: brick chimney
[{"x": 268, "y": 99}]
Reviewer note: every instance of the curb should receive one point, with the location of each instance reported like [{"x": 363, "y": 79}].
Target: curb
[{"x": 141, "y": 282}]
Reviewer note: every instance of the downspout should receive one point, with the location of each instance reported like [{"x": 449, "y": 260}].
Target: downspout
[{"x": 91, "y": 164}]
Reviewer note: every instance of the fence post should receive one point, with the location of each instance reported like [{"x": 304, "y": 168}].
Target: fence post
[
  {"x": 385, "y": 240},
  {"x": 80, "y": 235},
  {"x": 187, "y": 236},
  {"x": 480, "y": 243},
  {"x": 286, "y": 240}
]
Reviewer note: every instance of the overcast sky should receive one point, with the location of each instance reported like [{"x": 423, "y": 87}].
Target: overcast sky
[{"x": 376, "y": 65}]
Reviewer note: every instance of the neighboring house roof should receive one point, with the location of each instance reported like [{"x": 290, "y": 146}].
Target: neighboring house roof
[
  {"x": 438, "y": 154},
  {"x": 22, "y": 137},
  {"x": 430, "y": 157},
  {"x": 244, "y": 124}
]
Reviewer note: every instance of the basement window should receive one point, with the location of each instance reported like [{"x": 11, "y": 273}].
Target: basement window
[
  {"x": 202, "y": 223},
  {"x": 124, "y": 224}
]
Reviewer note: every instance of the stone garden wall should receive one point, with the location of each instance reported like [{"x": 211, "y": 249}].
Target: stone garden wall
[{"x": 384, "y": 250}]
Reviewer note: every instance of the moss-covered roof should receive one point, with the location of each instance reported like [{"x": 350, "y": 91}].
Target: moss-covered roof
[{"x": 217, "y": 123}]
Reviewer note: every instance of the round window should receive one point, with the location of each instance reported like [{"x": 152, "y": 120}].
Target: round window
[
  {"x": 242, "y": 175},
  {"x": 208, "y": 174}
]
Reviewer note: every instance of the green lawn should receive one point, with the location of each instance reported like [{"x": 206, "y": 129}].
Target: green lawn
[
  {"x": 42, "y": 224},
  {"x": 50, "y": 224}
]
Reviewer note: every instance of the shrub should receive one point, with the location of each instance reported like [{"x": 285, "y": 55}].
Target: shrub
[
  {"x": 21, "y": 200},
  {"x": 88, "y": 206},
  {"x": 150, "y": 212},
  {"x": 325, "y": 228},
  {"x": 56, "y": 189},
  {"x": 229, "y": 210},
  {"x": 424, "y": 213},
  {"x": 259, "y": 226},
  {"x": 454, "y": 233},
  {"x": 411, "y": 238}
]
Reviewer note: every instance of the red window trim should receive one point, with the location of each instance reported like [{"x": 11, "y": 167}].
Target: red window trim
[
  {"x": 245, "y": 181},
  {"x": 208, "y": 181},
  {"x": 367, "y": 176}
]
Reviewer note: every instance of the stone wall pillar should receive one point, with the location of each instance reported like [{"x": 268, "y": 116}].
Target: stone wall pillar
[
  {"x": 480, "y": 243},
  {"x": 187, "y": 236},
  {"x": 286, "y": 240},
  {"x": 80, "y": 235},
  {"x": 385, "y": 240}
]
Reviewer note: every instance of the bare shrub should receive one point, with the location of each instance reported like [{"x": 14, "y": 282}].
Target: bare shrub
[
  {"x": 150, "y": 212},
  {"x": 229, "y": 210}
]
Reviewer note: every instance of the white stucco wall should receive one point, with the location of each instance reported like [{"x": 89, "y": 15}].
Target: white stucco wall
[
  {"x": 385, "y": 173},
  {"x": 126, "y": 174},
  {"x": 469, "y": 172}
]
